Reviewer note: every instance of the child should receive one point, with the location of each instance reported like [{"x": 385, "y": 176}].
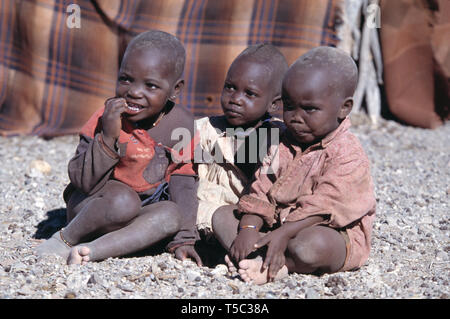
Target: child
[
  {"x": 125, "y": 187},
  {"x": 252, "y": 89},
  {"x": 315, "y": 213}
]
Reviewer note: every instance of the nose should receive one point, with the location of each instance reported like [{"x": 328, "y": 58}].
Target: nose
[
  {"x": 135, "y": 91},
  {"x": 297, "y": 117},
  {"x": 236, "y": 98}
]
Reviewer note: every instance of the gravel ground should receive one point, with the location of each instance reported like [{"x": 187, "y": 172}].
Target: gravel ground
[{"x": 410, "y": 250}]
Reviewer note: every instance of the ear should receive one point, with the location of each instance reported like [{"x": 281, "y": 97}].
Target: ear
[
  {"x": 276, "y": 104},
  {"x": 178, "y": 87},
  {"x": 346, "y": 108}
]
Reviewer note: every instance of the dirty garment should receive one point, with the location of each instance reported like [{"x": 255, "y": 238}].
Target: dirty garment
[{"x": 330, "y": 179}]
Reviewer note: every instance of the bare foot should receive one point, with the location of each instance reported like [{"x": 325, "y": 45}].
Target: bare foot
[
  {"x": 79, "y": 255},
  {"x": 251, "y": 271},
  {"x": 54, "y": 245},
  {"x": 231, "y": 267}
]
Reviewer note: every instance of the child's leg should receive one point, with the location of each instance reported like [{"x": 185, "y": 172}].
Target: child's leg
[
  {"x": 316, "y": 249},
  {"x": 154, "y": 223},
  {"x": 225, "y": 225},
  {"x": 111, "y": 208}
]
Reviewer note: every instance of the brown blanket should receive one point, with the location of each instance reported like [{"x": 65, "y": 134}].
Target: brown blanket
[{"x": 53, "y": 78}]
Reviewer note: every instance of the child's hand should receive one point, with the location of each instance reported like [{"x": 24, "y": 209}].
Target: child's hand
[
  {"x": 188, "y": 251},
  {"x": 244, "y": 243},
  {"x": 276, "y": 242},
  {"x": 111, "y": 120}
]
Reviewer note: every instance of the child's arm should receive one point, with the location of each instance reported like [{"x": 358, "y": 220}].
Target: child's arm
[
  {"x": 183, "y": 182},
  {"x": 248, "y": 236},
  {"x": 97, "y": 154},
  {"x": 183, "y": 191}
]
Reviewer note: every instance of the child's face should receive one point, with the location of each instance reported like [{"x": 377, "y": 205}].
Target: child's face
[
  {"x": 246, "y": 95},
  {"x": 146, "y": 82},
  {"x": 310, "y": 109}
]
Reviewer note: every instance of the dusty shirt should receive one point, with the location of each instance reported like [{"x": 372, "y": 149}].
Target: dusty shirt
[
  {"x": 95, "y": 163},
  {"x": 331, "y": 179},
  {"x": 221, "y": 182}
]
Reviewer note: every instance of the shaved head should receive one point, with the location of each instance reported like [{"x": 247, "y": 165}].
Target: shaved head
[
  {"x": 271, "y": 58},
  {"x": 340, "y": 69},
  {"x": 164, "y": 42}
]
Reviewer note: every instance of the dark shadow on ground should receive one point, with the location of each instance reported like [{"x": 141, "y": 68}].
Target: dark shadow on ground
[
  {"x": 211, "y": 252},
  {"x": 56, "y": 219}
]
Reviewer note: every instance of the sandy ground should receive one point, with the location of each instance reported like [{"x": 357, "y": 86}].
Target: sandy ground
[{"x": 410, "y": 249}]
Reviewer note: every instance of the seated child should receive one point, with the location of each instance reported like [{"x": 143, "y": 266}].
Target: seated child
[
  {"x": 314, "y": 214},
  {"x": 125, "y": 188},
  {"x": 227, "y": 161}
]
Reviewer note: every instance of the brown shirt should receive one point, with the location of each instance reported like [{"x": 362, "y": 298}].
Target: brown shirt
[{"x": 331, "y": 179}]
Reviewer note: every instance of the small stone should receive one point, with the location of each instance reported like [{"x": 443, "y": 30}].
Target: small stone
[
  {"x": 191, "y": 275},
  {"x": 220, "y": 270},
  {"x": 40, "y": 166},
  {"x": 311, "y": 293},
  {"x": 335, "y": 291},
  {"x": 94, "y": 279},
  {"x": 70, "y": 295},
  {"x": 128, "y": 287}
]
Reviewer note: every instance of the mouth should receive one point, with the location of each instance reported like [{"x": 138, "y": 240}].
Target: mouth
[
  {"x": 229, "y": 113},
  {"x": 133, "y": 108},
  {"x": 299, "y": 129}
]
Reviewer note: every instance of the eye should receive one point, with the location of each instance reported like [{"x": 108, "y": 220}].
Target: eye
[
  {"x": 229, "y": 87},
  {"x": 250, "y": 93},
  {"x": 124, "y": 79},
  {"x": 151, "y": 86},
  {"x": 310, "y": 109}
]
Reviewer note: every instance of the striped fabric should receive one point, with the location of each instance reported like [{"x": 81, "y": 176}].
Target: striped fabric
[{"x": 53, "y": 78}]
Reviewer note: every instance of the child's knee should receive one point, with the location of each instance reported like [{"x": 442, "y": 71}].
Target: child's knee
[
  {"x": 220, "y": 216},
  {"x": 309, "y": 248},
  {"x": 170, "y": 217},
  {"x": 123, "y": 204}
]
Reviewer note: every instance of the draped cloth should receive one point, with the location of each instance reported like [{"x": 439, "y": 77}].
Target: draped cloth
[
  {"x": 415, "y": 38},
  {"x": 53, "y": 77}
]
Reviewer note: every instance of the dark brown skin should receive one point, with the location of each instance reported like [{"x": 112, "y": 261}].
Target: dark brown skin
[
  {"x": 111, "y": 222},
  {"x": 311, "y": 111}
]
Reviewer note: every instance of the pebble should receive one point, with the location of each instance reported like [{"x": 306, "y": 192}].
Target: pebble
[{"x": 410, "y": 247}]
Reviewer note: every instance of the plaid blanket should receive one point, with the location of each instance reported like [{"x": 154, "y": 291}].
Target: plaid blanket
[{"x": 53, "y": 77}]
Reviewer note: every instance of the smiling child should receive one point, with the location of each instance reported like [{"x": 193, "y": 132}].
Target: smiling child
[{"x": 126, "y": 189}]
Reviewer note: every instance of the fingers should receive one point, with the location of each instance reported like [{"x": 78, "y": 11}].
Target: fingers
[
  {"x": 263, "y": 241},
  {"x": 197, "y": 258},
  {"x": 277, "y": 263},
  {"x": 115, "y": 105}
]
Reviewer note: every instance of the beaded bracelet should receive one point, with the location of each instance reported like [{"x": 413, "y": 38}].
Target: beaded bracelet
[{"x": 247, "y": 226}]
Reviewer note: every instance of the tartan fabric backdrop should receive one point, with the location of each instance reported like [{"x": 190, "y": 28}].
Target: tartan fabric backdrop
[{"x": 53, "y": 78}]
